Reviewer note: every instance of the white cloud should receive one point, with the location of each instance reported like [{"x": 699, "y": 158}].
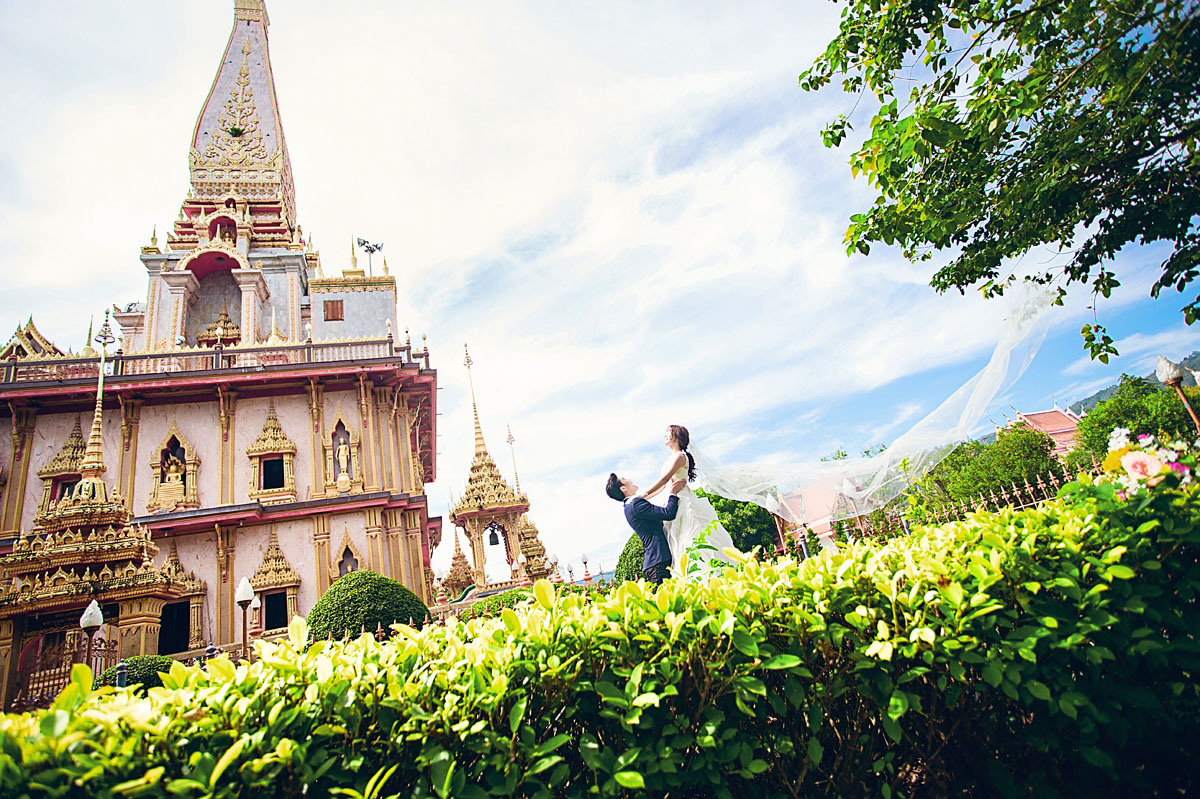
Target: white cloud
[{"x": 625, "y": 209}]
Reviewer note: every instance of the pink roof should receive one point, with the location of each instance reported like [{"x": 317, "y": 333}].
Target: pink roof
[{"x": 1058, "y": 424}]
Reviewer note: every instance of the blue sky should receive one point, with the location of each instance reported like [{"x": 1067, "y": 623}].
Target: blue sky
[{"x": 624, "y": 208}]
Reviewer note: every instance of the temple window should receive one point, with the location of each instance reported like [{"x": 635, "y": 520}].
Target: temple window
[
  {"x": 348, "y": 563},
  {"x": 334, "y": 311},
  {"x": 61, "y": 474},
  {"x": 274, "y": 610},
  {"x": 272, "y": 478},
  {"x": 272, "y": 473},
  {"x": 277, "y": 584}
]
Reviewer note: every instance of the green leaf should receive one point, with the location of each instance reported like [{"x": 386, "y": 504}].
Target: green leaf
[
  {"x": 552, "y": 744},
  {"x": 230, "y": 755},
  {"x": 516, "y": 714},
  {"x": 630, "y": 779},
  {"x": 815, "y": 751},
  {"x": 1039, "y": 690},
  {"x": 782, "y": 662},
  {"x": 543, "y": 591},
  {"x": 745, "y": 643}
]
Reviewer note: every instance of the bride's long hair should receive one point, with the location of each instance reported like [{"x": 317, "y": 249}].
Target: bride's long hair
[{"x": 680, "y": 434}]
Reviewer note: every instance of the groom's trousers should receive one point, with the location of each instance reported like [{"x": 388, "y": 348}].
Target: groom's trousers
[{"x": 656, "y": 573}]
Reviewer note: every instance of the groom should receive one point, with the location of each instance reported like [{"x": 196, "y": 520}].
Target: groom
[{"x": 647, "y": 519}]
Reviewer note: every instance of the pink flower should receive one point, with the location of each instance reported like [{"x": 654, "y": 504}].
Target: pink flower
[
  {"x": 1141, "y": 465},
  {"x": 1176, "y": 466}
]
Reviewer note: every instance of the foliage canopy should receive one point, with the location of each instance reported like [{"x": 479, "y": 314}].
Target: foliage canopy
[
  {"x": 1034, "y": 653},
  {"x": 1018, "y": 453},
  {"x": 1141, "y": 408},
  {"x": 1005, "y": 125}
]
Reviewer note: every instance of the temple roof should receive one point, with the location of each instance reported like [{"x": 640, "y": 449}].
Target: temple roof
[
  {"x": 459, "y": 576},
  {"x": 486, "y": 488},
  {"x": 27, "y": 342},
  {"x": 238, "y": 145}
]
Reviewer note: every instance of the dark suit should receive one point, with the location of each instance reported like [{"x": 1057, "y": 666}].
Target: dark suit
[{"x": 647, "y": 519}]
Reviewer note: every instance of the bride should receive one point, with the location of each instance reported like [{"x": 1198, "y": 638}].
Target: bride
[{"x": 695, "y": 513}]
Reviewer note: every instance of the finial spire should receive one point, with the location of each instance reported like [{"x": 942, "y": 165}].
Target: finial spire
[
  {"x": 353, "y": 255},
  {"x": 92, "y": 465},
  {"x": 516, "y": 477},
  {"x": 480, "y": 447},
  {"x": 154, "y": 236}
]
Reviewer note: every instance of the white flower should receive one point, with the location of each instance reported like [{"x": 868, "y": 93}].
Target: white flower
[{"x": 1118, "y": 438}]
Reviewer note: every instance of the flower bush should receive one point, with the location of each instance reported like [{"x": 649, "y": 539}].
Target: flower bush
[
  {"x": 1138, "y": 465},
  {"x": 1046, "y": 652}
]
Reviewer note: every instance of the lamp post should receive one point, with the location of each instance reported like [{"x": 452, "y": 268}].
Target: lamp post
[
  {"x": 370, "y": 249},
  {"x": 256, "y": 626},
  {"x": 90, "y": 623},
  {"x": 244, "y": 596},
  {"x": 1171, "y": 374}
]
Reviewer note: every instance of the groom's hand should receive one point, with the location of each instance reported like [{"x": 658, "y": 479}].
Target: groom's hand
[{"x": 678, "y": 485}]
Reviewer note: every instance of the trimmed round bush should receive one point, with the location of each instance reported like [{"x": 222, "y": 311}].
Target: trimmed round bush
[
  {"x": 144, "y": 669},
  {"x": 364, "y": 600},
  {"x": 629, "y": 566},
  {"x": 490, "y": 607}
]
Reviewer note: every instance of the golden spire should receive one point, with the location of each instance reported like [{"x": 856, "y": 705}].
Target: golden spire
[
  {"x": 480, "y": 447},
  {"x": 88, "y": 351},
  {"x": 353, "y": 255},
  {"x": 385, "y": 266},
  {"x": 516, "y": 477},
  {"x": 91, "y": 487},
  {"x": 154, "y": 237}
]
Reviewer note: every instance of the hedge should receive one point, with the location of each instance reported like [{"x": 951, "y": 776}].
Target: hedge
[
  {"x": 629, "y": 565},
  {"x": 1048, "y": 652},
  {"x": 364, "y": 600},
  {"x": 146, "y": 670}
]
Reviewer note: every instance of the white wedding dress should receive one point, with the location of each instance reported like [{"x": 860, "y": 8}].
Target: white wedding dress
[{"x": 693, "y": 517}]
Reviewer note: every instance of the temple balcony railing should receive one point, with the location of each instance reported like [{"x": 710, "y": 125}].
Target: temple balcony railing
[{"x": 184, "y": 360}]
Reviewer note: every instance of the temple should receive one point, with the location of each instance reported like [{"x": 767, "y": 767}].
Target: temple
[
  {"x": 256, "y": 418},
  {"x": 506, "y": 550}
]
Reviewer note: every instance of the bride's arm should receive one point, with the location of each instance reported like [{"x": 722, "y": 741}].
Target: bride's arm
[{"x": 672, "y": 467}]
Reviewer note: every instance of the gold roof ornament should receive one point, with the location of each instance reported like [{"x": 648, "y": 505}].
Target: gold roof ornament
[
  {"x": 88, "y": 351},
  {"x": 224, "y": 331},
  {"x": 486, "y": 489},
  {"x": 276, "y": 338},
  {"x": 173, "y": 569},
  {"x": 68, "y": 458},
  {"x": 28, "y": 343},
  {"x": 272, "y": 440},
  {"x": 274, "y": 571},
  {"x": 459, "y": 577}
]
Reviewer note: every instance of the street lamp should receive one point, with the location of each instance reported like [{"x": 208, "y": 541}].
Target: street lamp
[
  {"x": 90, "y": 623},
  {"x": 244, "y": 596},
  {"x": 1171, "y": 374},
  {"x": 256, "y": 626}
]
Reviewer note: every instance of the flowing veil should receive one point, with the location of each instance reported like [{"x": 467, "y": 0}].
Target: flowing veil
[{"x": 808, "y": 491}]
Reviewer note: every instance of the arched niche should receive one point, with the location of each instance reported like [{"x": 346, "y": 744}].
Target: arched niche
[
  {"x": 343, "y": 469},
  {"x": 345, "y": 558},
  {"x": 174, "y": 469}
]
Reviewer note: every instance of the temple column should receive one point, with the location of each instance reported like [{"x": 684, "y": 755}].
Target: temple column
[
  {"x": 180, "y": 288},
  {"x": 11, "y": 636},
  {"x": 374, "y": 525},
  {"x": 321, "y": 552},
  {"x": 387, "y": 438},
  {"x": 196, "y": 628},
  {"x": 394, "y": 543},
  {"x": 23, "y": 420},
  {"x": 138, "y": 626},
  {"x": 223, "y": 608},
  {"x": 369, "y": 438},
  {"x": 227, "y": 407},
  {"x": 254, "y": 293},
  {"x": 131, "y": 413},
  {"x": 316, "y": 412}
]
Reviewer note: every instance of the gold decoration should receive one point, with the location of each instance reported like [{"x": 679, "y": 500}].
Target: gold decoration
[
  {"x": 68, "y": 458},
  {"x": 274, "y": 571},
  {"x": 173, "y": 569},
  {"x": 29, "y": 344},
  {"x": 327, "y": 285},
  {"x": 237, "y": 138},
  {"x": 224, "y": 331},
  {"x": 174, "y": 482},
  {"x": 271, "y": 442}
]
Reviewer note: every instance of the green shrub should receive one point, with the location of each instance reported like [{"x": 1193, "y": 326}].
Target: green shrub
[
  {"x": 629, "y": 565},
  {"x": 1047, "y": 652},
  {"x": 364, "y": 600},
  {"x": 490, "y": 607},
  {"x": 144, "y": 669}
]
